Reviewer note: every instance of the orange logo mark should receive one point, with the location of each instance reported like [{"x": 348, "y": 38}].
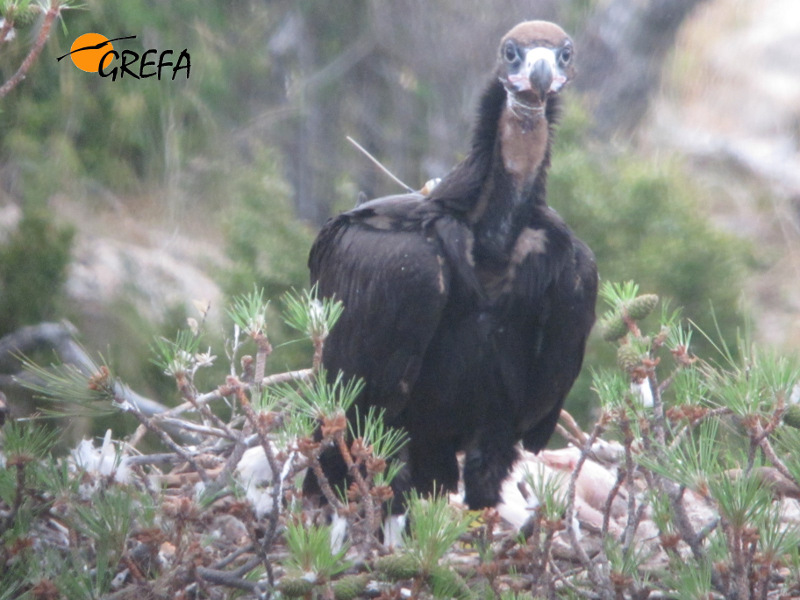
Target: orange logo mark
[{"x": 89, "y": 49}]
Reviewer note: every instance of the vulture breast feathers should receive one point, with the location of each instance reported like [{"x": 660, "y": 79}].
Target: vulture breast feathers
[{"x": 467, "y": 310}]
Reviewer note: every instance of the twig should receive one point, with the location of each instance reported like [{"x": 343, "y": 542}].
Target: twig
[
  {"x": 573, "y": 426},
  {"x": 299, "y": 375},
  {"x": 137, "y": 436},
  {"x": 363, "y": 487},
  {"x": 378, "y": 164},
  {"x": 262, "y": 429},
  {"x": 612, "y": 495},
  {"x": 532, "y": 531},
  {"x": 316, "y": 361},
  {"x": 563, "y": 578},
  {"x": 595, "y": 577},
  {"x": 678, "y": 437},
  {"x": 274, "y": 514},
  {"x": 262, "y": 554},
  {"x": 188, "y": 391},
  {"x": 196, "y": 427},
  {"x": 772, "y": 457},
  {"x": 263, "y": 352},
  {"x": 18, "y": 496},
  {"x": 151, "y": 459},
  {"x": 8, "y": 23},
  {"x": 44, "y": 33},
  {"x": 222, "y": 563},
  {"x": 198, "y": 401},
  {"x": 228, "y": 579},
  {"x": 567, "y": 435},
  {"x": 167, "y": 441},
  {"x": 684, "y": 526},
  {"x": 659, "y": 421},
  {"x": 322, "y": 480},
  {"x": 633, "y": 519}
]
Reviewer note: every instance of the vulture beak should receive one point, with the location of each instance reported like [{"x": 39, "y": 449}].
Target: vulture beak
[
  {"x": 539, "y": 73},
  {"x": 543, "y": 74},
  {"x": 540, "y": 76}
]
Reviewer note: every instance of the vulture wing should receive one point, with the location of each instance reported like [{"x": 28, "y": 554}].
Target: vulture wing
[{"x": 393, "y": 280}]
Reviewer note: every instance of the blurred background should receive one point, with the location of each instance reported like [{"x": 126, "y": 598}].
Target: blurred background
[{"x": 121, "y": 203}]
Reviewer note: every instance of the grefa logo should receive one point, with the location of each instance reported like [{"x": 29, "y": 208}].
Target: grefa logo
[{"x": 94, "y": 53}]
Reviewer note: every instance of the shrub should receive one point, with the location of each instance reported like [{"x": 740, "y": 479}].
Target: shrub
[
  {"x": 704, "y": 452},
  {"x": 33, "y": 269}
]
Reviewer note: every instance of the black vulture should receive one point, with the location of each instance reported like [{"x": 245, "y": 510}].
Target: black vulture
[{"x": 466, "y": 311}]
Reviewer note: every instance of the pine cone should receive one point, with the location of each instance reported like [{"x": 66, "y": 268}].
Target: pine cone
[
  {"x": 641, "y": 306},
  {"x": 294, "y": 587},
  {"x": 397, "y": 566},
  {"x": 349, "y": 586},
  {"x": 449, "y": 581},
  {"x": 613, "y": 328},
  {"x": 628, "y": 358},
  {"x": 792, "y": 416}
]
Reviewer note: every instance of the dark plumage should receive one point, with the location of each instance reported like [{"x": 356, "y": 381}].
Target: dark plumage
[{"x": 467, "y": 311}]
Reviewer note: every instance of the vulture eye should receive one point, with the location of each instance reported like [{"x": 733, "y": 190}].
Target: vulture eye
[
  {"x": 510, "y": 52},
  {"x": 565, "y": 56}
]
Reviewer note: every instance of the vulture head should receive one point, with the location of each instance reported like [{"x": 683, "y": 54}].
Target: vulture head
[{"x": 534, "y": 62}]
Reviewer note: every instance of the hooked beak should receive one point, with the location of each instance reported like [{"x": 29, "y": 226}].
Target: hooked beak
[
  {"x": 539, "y": 73},
  {"x": 540, "y": 77}
]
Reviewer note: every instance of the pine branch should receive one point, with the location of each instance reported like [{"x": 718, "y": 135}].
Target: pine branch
[{"x": 44, "y": 33}]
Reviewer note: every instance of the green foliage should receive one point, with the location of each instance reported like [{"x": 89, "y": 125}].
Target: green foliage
[
  {"x": 349, "y": 587},
  {"x": 33, "y": 268},
  {"x": 182, "y": 142},
  {"x": 711, "y": 427},
  {"x": 690, "y": 461},
  {"x": 434, "y": 528},
  {"x": 20, "y": 12},
  {"x": 742, "y": 498},
  {"x": 249, "y": 313},
  {"x": 101, "y": 527},
  {"x": 445, "y": 582},
  {"x": 70, "y": 392},
  {"x": 550, "y": 491},
  {"x": 691, "y": 447},
  {"x": 398, "y": 566},
  {"x": 26, "y": 442},
  {"x": 267, "y": 245},
  {"x": 118, "y": 133},
  {"x": 384, "y": 441},
  {"x": 693, "y": 582},
  {"x": 320, "y": 400},
  {"x": 611, "y": 388},
  {"x": 108, "y": 523},
  {"x": 310, "y": 552},
  {"x": 787, "y": 440},
  {"x": 625, "y": 561},
  {"x": 306, "y": 313},
  {"x": 756, "y": 384},
  {"x": 645, "y": 221}
]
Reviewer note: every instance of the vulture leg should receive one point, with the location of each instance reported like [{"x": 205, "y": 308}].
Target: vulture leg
[{"x": 486, "y": 466}]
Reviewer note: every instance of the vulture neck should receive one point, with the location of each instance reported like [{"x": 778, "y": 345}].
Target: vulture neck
[
  {"x": 523, "y": 139},
  {"x": 516, "y": 157}
]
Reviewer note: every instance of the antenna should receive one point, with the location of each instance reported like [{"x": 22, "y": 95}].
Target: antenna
[{"x": 379, "y": 165}]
